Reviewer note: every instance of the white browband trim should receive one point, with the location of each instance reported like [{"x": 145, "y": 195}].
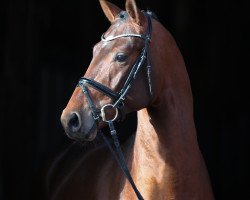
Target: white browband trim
[{"x": 109, "y": 38}]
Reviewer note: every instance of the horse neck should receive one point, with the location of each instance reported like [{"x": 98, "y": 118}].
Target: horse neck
[
  {"x": 166, "y": 161},
  {"x": 166, "y": 130}
]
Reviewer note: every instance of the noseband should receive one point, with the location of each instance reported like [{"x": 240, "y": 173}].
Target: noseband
[{"x": 119, "y": 97}]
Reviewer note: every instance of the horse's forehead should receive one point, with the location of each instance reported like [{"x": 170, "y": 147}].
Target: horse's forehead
[
  {"x": 121, "y": 27},
  {"x": 115, "y": 29}
]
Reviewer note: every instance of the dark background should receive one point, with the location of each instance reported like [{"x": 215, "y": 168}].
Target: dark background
[{"x": 46, "y": 46}]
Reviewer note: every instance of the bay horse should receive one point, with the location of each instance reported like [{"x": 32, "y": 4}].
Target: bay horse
[{"x": 137, "y": 66}]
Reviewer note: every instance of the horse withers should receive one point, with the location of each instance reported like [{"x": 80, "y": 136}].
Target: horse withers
[{"x": 136, "y": 66}]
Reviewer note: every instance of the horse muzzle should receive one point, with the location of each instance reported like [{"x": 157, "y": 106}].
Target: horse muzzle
[{"x": 77, "y": 129}]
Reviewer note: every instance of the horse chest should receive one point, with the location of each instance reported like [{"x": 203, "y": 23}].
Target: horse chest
[
  {"x": 95, "y": 176},
  {"x": 152, "y": 182}
]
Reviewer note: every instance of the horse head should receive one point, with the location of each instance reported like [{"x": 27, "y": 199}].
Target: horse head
[{"x": 119, "y": 77}]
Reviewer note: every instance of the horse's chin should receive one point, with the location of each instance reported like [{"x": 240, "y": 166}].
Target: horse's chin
[{"x": 90, "y": 135}]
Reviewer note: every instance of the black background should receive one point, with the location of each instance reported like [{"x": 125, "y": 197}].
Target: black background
[{"x": 46, "y": 46}]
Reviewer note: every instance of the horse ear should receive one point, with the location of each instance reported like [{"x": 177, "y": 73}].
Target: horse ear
[
  {"x": 133, "y": 11},
  {"x": 109, "y": 9}
]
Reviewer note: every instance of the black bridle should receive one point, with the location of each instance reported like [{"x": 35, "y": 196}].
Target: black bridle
[{"x": 119, "y": 97}]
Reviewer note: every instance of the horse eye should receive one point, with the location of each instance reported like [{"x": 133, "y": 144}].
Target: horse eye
[{"x": 120, "y": 57}]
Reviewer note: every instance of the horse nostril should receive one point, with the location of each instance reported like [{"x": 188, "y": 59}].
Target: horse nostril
[{"x": 74, "y": 122}]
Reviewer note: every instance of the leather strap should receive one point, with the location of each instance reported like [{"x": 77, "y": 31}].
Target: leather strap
[{"x": 118, "y": 155}]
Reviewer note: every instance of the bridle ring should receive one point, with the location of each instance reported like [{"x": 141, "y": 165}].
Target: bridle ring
[{"x": 103, "y": 113}]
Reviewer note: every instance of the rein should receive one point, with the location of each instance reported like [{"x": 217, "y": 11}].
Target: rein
[{"x": 119, "y": 97}]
